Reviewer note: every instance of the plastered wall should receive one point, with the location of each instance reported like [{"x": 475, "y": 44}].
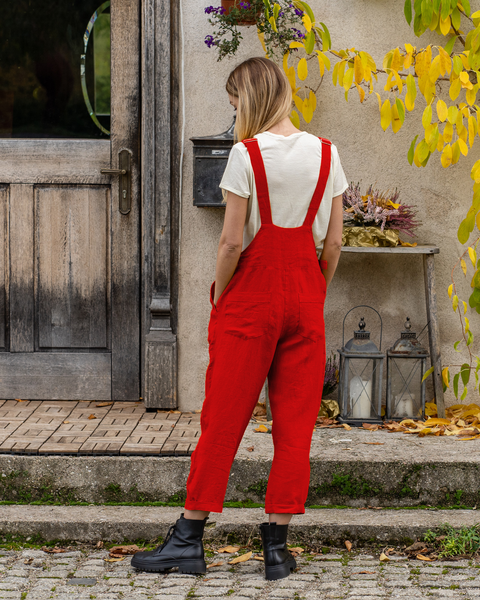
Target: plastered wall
[{"x": 393, "y": 285}]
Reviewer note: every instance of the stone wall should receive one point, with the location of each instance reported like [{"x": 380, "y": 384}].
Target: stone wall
[{"x": 393, "y": 285}]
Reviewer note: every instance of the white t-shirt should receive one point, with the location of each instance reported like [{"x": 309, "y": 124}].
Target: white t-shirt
[{"x": 292, "y": 165}]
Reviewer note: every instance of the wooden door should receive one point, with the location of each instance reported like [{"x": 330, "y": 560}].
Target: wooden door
[{"x": 69, "y": 253}]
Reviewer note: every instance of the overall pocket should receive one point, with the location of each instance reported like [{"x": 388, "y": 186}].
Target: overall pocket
[
  {"x": 311, "y": 323},
  {"x": 247, "y": 315}
]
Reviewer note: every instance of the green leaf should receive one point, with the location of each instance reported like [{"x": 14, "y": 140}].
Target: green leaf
[
  {"x": 427, "y": 373},
  {"x": 327, "y": 41},
  {"x": 411, "y": 151},
  {"x": 418, "y": 27},
  {"x": 463, "y": 232},
  {"x": 306, "y": 8},
  {"x": 407, "y": 9},
  {"x": 309, "y": 41},
  {"x": 455, "y": 384},
  {"x": 427, "y": 12},
  {"x": 455, "y": 345},
  {"x": 401, "y": 110},
  {"x": 464, "y": 394},
  {"x": 469, "y": 337},
  {"x": 436, "y": 5},
  {"x": 445, "y": 11},
  {"x": 466, "y": 7},
  {"x": 449, "y": 45},
  {"x": 276, "y": 10},
  {"x": 456, "y": 18},
  {"x": 465, "y": 373}
]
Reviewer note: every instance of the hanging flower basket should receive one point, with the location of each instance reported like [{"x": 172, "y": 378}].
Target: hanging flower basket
[{"x": 240, "y": 5}]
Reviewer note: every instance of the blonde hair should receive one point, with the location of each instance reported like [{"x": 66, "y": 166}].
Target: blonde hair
[{"x": 264, "y": 96}]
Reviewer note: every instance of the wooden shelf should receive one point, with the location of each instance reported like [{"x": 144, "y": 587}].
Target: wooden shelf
[{"x": 424, "y": 249}]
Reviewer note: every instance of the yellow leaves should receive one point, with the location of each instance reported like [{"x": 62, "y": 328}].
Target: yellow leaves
[
  {"x": 229, "y": 549},
  {"x": 445, "y": 25},
  {"x": 295, "y": 119},
  {"x": 241, "y": 558},
  {"x": 452, "y": 114},
  {"x": 475, "y": 172},
  {"x": 472, "y": 255},
  {"x": 385, "y": 115},
  {"x": 463, "y": 147},
  {"x": 361, "y": 92},
  {"x": 446, "y": 158},
  {"x": 348, "y": 79},
  {"x": 445, "y": 61},
  {"x": 358, "y": 69},
  {"x": 309, "y": 106},
  {"x": 465, "y": 79},
  {"x": 290, "y": 73},
  {"x": 384, "y": 557},
  {"x": 442, "y": 110},
  {"x": 302, "y": 69},
  {"x": 445, "y": 375},
  {"x": 397, "y": 61},
  {"x": 323, "y": 62},
  {"x": 261, "y": 429},
  {"x": 411, "y": 93},
  {"x": 472, "y": 130},
  {"x": 450, "y": 290},
  {"x": 455, "y": 88},
  {"x": 307, "y": 22},
  {"x": 463, "y": 264},
  {"x": 435, "y": 69},
  {"x": 471, "y": 95},
  {"x": 427, "y": 116},
  {"x": 448, "y": 133},
  {"x": 296, "y": 45}
]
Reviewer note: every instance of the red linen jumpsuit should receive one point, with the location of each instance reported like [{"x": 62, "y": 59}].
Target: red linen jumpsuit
[{"x": 268, "y": 321}]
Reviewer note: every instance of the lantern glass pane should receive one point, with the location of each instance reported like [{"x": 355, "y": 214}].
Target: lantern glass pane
[
  {"x": 406, "y": 387},
  {"x": 361, "y": 392}
]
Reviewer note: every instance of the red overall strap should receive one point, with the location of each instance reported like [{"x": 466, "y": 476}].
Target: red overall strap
[
  {"x": 321, "y": 184},
  {"x": 260, "y": 180}
]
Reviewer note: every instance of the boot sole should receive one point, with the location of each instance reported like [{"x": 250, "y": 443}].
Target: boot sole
[
  {"x": 280, "y": 571},
  {"x": 184, "y": 566}
]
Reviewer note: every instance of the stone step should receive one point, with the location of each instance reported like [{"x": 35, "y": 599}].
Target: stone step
[
  {"x": 354, "y": 468},
  {"x": 317, "y": 527}
]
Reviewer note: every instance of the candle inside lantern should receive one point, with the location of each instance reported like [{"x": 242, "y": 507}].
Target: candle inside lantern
[
  {"x": 404, "y": 405},
  {"x": 360, "y": 398}
]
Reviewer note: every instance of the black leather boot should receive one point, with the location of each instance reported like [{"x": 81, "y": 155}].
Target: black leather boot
[
  {"x": 182, "y": 548},
  {"x": 279, "y": 563}
]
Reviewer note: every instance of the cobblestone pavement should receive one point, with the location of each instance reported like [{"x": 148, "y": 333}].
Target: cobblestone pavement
[{"x": 35, "y": 575}]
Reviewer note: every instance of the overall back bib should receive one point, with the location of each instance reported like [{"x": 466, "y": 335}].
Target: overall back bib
[{"x": 268, "y": 321}]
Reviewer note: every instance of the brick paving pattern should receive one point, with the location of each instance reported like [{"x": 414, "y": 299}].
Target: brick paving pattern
[
  {"x": 95, "y": 428},
  {"x": 34, "y": 575}
]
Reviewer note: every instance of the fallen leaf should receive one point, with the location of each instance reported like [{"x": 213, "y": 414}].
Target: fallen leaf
[
  {"x": 175, "y": 412},
  {"x": 114, "y": 559},
  {"x": 297, "y": 549},
  {"x": 251, "y": 449},
  {"x": 384, "y": 557},
  {"x": 260, "y": 410},
  {"x": 374, "y": 443},
  {"x": 103, "y": 404},
  {"x": 99, "y": 544},
  {"x": 53, "y": 550},
  {"x": 364, "y": 573},
  {"x": 474, "y": 437},
  {"x": 18, "y": 400},
  {"x": 347, "y": 427},
  {"x": 261, "y": 429},
  {"x": 370, "y": 426},
  {"x": 258, "y": 558},
  {"x": 422, "y": 557},
  {"x": 242, "y": 558},
  {"x": 429, "y": 422},
  {"x": 216, "y": 564},
  {"x": 229, "y": 549},
  {"x": 198, "y": 411},
  {"x": 66, "y": 422},
  {"x": 92, "y": 417},
  {"x": 348, "y": 545},
  {"x": 123, "y": 550},
  {"x": 416, "y": 547},
  {"x": 28, "y": 561}
]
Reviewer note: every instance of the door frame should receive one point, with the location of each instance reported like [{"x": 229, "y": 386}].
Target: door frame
[{"x": 160, "y": 178}]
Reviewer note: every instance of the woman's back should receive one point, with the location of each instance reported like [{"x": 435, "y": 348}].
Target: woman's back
[{"x": 292, "y": 166}]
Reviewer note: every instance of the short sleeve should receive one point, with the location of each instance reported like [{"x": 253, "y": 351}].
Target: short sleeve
[
  {"x": 236, "y": 176},
  {"x": 340, "y": 183}
]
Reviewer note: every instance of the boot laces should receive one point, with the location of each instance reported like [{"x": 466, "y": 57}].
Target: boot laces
[{"x": 170, "y": 533}]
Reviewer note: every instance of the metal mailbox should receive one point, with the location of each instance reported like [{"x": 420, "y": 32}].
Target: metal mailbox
[{"x": 210, "y": 155}]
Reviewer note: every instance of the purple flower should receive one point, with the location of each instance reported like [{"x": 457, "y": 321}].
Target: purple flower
[
  {"x": 245, "y": 5},
  {"x": 219, "y": 10},
  {"x": 299, "y": 12},
  {"x": 210, "y": 41},
  {"x": 281, "y": 13},
  {"x": 297, "y": 33}
]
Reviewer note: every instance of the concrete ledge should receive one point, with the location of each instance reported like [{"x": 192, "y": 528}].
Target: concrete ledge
[
  {"x": 348, "y": 468},
  {"x": 328, "y": 527}
]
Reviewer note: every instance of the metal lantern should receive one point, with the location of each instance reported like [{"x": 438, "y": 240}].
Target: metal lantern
[
  {"x": 406, "y": 361},
  {"x": 360, "y": 378}
]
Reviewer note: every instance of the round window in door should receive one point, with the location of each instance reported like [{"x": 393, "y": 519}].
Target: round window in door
[{"x": 42, "y": 91}]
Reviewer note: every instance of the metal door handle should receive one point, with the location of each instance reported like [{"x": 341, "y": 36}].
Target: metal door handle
[
  {"x": 113, "y": 171},
  {"x": 125, "y": 183}
]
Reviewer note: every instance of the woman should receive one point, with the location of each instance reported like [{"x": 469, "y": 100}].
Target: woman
[{"x": 267, "y": 314}]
